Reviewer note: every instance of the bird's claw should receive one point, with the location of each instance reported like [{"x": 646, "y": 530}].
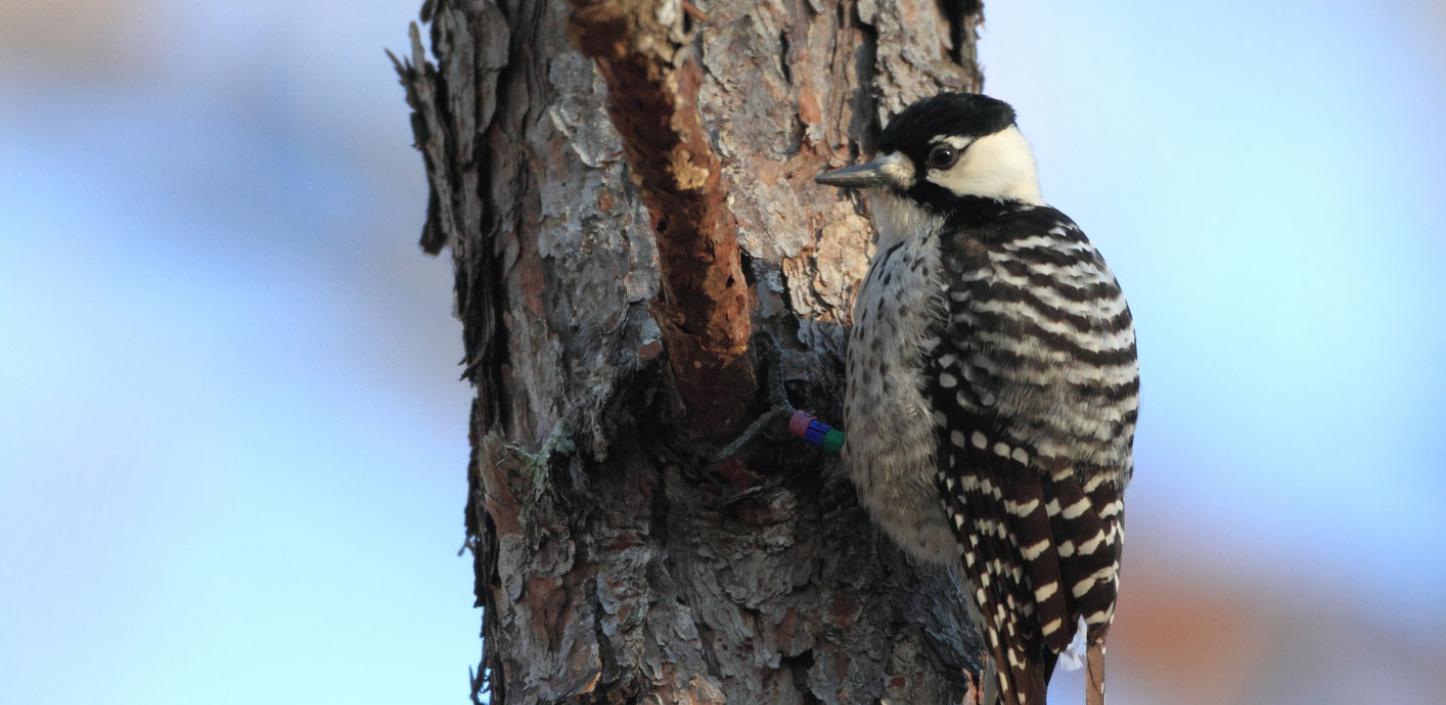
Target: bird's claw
[{"x": 779, "y": 407}]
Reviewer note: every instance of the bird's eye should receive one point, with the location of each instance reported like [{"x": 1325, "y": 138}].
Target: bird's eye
[{"x": 943, "y": 156}]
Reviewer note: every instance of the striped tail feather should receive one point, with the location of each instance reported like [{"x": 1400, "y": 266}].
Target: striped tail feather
[
  {"x": 1087, "y": 522},
  {"x": 975, "y": 485}
]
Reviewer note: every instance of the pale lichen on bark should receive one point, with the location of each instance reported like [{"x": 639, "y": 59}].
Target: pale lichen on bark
[{"x": 614, "y": 564}]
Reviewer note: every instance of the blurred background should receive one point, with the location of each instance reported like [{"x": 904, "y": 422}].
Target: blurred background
[{"x": 232, "y": 443}]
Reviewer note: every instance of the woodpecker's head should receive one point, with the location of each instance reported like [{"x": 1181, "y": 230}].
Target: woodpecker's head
[{"x": 943, "y": 152}]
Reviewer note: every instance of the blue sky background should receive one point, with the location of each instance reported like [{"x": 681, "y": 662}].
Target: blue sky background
[
  {"x": 1269, "y": 183},
  {"x": 232, "y": 441}
]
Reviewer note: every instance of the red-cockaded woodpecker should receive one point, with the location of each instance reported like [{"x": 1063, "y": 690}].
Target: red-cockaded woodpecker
[{"x": 992, "y": 386}]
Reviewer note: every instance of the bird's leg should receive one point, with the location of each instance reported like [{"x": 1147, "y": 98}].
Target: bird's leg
[
  {"x": 1095, "y": 675},
  {"x": 974, "y": 694},
  {"x": 779, "y": 408},
  {"x": 989, "y": 676}
]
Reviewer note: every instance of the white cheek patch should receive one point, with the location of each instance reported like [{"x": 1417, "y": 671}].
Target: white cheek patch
[{"x": 1000, "y": 166}]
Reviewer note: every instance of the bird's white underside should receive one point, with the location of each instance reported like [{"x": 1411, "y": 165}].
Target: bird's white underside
[{"x": 895, "y": 464}]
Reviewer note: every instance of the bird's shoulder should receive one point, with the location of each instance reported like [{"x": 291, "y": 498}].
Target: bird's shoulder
[
  {"x": 1034, "y": 248},
  {"x": 976, "y": 229}
]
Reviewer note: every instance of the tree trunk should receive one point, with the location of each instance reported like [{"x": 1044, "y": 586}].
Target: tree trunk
[{"x": 606, "y": 334}]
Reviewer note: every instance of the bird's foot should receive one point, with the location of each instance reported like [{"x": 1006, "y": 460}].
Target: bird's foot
[
  {"x": 779, "y": 407},
  {"x": 973, "y": 695}
]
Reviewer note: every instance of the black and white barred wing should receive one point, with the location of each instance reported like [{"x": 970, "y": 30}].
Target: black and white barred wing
[{"x": 1034, "y": 389}]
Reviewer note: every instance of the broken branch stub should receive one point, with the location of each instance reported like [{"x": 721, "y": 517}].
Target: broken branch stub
[{"x": 703, "y": 307}]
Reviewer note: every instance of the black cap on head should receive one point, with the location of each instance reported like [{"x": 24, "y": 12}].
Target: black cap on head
[
  {"x": 909, "y": 151},
  {"x": 964, "y": 114}
]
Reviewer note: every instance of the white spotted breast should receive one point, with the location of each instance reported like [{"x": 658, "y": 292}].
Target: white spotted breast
[{"x": 888, "y": 421}]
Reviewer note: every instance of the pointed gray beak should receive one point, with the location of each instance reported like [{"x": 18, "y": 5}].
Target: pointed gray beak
[
  {"x": 856, "y": 176},
  {"x": 888, "y": 170}
]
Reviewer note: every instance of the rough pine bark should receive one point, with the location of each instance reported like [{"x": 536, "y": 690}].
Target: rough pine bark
[{"x": 614, "y": 561}]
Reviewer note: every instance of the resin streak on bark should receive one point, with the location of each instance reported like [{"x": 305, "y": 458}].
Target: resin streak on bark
[{"x": 653, "y": 100}]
